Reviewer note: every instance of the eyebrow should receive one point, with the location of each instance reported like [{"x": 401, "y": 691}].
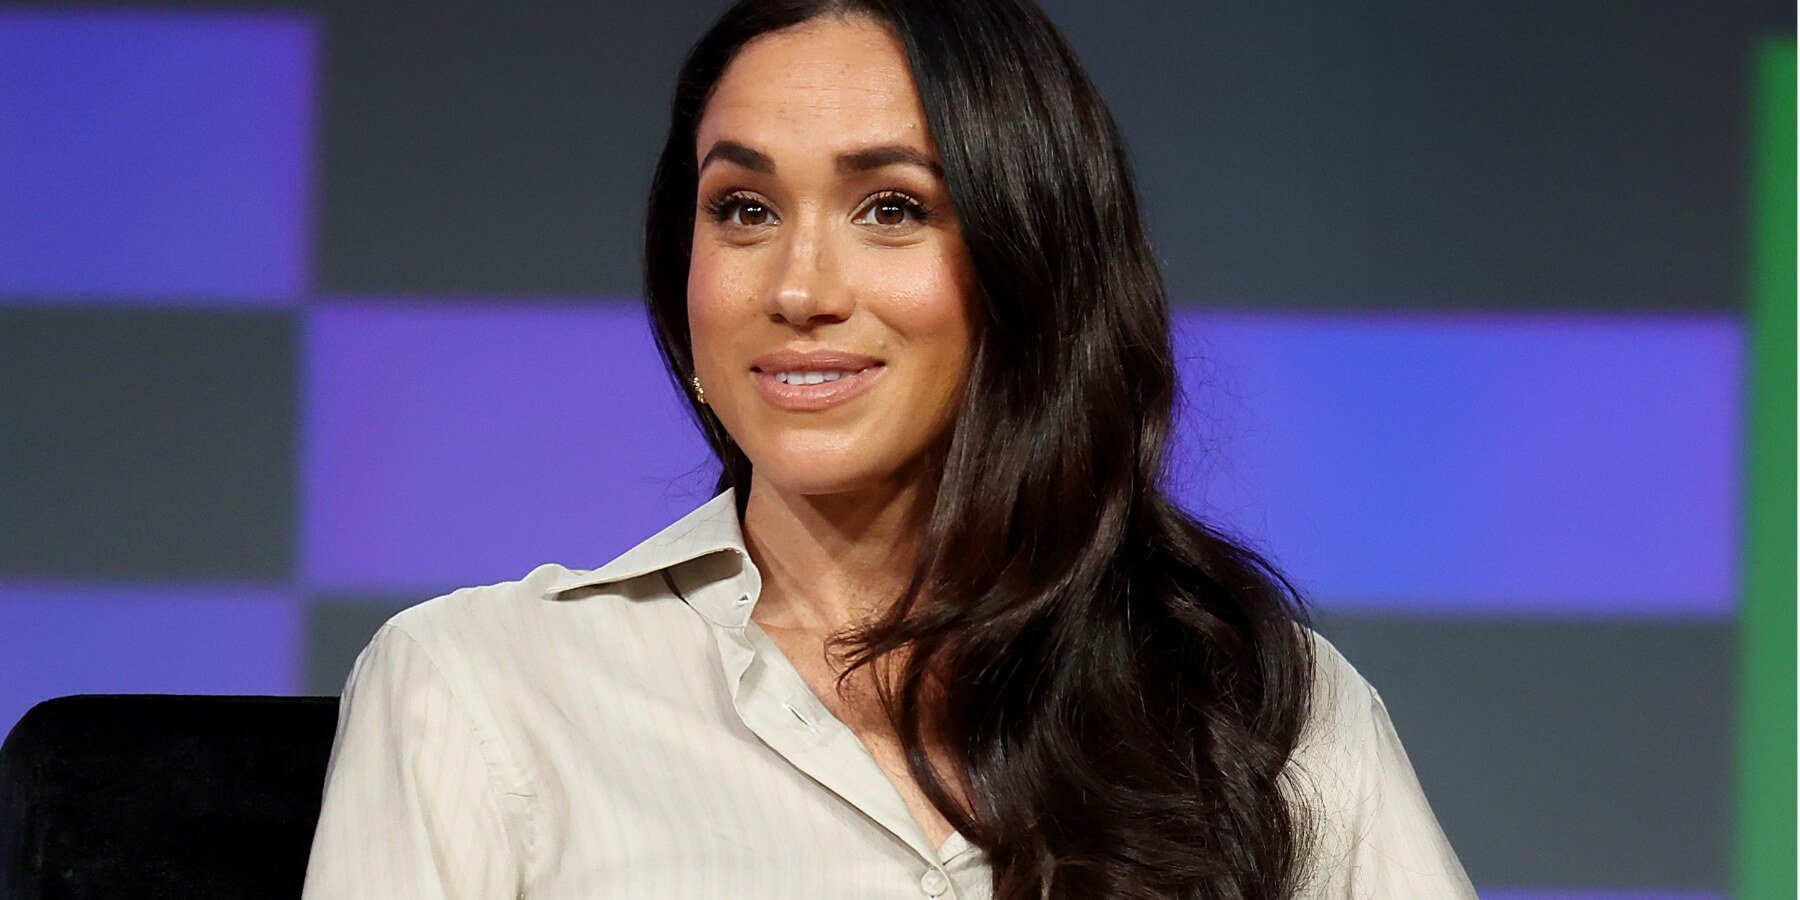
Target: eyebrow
[{"x": 859, "y": 161}]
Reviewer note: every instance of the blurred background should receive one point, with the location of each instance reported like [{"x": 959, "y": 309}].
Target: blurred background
[{"x": 312, "y": 311}]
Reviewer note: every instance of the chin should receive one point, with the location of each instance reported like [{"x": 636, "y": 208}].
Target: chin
[
  {"x": 819, "y": 461},
  {"x": 819, "y": 478}
]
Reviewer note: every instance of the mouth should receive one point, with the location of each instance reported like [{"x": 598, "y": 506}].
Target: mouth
[
  {"x": 811, "y": 388},
  {"x": 815, "y": 376}
]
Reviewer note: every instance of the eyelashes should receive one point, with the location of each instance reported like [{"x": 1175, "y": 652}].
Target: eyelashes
[
  {"x": 905, "y": 201},
  {"x": 722, "y": 207}
]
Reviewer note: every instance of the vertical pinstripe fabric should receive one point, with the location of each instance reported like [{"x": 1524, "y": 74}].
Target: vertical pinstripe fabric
[{"x": 629, "y": 732}]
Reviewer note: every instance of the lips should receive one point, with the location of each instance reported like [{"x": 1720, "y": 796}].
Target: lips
[
  {"x": 814, "y": 380},
  {"x": 812, "y": 361}
]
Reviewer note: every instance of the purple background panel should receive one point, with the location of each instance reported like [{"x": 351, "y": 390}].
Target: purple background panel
[
  {"x": 61, "y": 638},
  {"x": 155, "y": 155},
  {"x": 1573, "y": 466},
  {"x": 448, "y": 445}
]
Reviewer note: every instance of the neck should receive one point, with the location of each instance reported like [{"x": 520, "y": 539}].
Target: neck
[{"x": 830, "y": 561}]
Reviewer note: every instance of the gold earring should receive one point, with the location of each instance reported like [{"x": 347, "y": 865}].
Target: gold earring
[{"x": 699, "y": 392}]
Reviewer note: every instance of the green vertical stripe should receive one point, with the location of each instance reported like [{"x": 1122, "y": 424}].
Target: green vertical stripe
[{"x": 1764, "y": 845}]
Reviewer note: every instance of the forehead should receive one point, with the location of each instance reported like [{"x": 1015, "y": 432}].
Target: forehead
[{"x": 818, "y": 88}]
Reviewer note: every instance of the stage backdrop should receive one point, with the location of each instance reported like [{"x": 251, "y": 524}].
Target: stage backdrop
[{"x": 311, "y": 311}]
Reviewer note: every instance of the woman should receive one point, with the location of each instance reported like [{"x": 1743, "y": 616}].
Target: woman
[{"x": 942, "y": 632}]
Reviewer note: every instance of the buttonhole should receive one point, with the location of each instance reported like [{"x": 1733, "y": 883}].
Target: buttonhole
[{"x": 798, "y": 715}]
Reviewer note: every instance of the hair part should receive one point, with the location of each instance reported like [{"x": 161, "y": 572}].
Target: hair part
[{"x": 1121, "y": 684}]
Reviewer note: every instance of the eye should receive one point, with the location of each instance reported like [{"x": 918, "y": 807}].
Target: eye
[
  {"x": 725, "y": 208},
  {"x": 890, "y": 208}
]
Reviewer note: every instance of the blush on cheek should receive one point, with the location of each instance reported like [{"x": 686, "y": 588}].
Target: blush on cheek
[
  {"x": 710, "y": 308},
  {"x": 925, "y": 303}
]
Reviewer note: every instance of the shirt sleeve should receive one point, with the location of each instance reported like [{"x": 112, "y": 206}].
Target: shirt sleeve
[
  {"x": 411, "y": 807},
  {"x": 1378, "y": 837}
]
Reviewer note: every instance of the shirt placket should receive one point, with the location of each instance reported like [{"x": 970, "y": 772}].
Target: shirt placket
[{"x": 777, "y": 705}]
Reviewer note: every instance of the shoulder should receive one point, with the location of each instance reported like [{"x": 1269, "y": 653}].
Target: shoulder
[
  {"x": 514, "y": 654},
  {"x": 1374, "y": 831},
  {"x": 486, "y": 641},
  {"x": 1330, "y": 764},
  {"x": 1341, "y": 726},
  {"x": 522, "y": 610},
  {"x": 1342, "y": 703},
  {"x": 469, "y": 612},
  {"x": 477, "y": 620}
]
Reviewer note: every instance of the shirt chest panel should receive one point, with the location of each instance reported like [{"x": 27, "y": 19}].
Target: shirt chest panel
[
  {"x": 723, "y": 818},
  {"x": 680, "y": 761},
  {"x": 720, "y": 859}
]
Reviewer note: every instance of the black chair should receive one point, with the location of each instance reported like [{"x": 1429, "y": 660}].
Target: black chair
[{"x": 151, "y": 796}]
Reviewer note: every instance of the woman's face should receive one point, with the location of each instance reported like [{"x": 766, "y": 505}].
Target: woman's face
[{"x": 829, "y": 292}]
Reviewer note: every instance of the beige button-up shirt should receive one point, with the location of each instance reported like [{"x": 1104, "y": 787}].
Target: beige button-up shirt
[{"x": 629, "y": 732}]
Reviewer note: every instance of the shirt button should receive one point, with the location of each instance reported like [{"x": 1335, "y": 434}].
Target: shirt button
[
  {"x": 743, "y": 599},
  {"x": 933, "y": 883}
]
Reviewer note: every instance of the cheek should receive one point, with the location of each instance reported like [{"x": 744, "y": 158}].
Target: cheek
[
  {"x": 927, "y": 308},
  {"x": 930, "y": 307},
  {"x": 712, "y": 285}
]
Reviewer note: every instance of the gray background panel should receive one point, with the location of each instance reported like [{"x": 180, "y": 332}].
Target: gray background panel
[
  {"x": 1566, "y": 754},
  {"x": 337, "y": 629},
  {"x": 1406, "y": 154},
  {"x": 147, "y": 443}
]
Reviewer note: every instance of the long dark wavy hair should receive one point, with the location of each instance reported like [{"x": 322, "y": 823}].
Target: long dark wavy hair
[{"x": 1122, "y": 685}]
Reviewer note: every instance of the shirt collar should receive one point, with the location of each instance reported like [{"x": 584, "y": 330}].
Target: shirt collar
[{"x": 703, "y": 556}]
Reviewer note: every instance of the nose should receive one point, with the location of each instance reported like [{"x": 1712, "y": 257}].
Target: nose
[{"x": 808, "y": 287}]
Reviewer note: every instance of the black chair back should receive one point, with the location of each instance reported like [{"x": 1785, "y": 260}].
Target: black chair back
[{"x": 151, "y": 796}]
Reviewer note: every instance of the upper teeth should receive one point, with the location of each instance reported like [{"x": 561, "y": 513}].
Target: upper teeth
[{"x": 810, "y": 377}]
